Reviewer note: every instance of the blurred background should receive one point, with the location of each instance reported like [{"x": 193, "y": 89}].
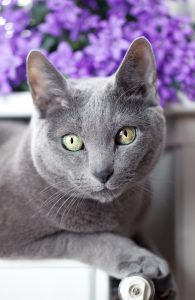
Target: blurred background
[{"x": 86, "y": 38}]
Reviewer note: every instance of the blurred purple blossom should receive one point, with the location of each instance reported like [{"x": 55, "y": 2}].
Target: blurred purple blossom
[{"x": 89, "y": 39}]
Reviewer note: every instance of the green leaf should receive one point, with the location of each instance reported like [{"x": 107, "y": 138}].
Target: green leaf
[
  {"x": 24, "y": 86},
  {"x": 50, "y": 43},
  {"x": 39, "y": 12}
]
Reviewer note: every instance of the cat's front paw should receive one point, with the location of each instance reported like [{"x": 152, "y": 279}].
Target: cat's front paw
[
  {"x": 156, "y": 269},
  {"x": 149, "y": 265}
]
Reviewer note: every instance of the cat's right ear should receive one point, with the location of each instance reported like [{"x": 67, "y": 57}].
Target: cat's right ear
[
  {"x": 138, "y": 67},
  {"x": 48, "y": 87}
]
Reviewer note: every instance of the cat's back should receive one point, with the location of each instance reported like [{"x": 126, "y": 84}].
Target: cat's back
[{"x": 10, "y": 130}]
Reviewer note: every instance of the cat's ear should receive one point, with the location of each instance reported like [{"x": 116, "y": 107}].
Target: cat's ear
[
  {"x": 48, "y": 87},
  {"x": 138, "y": 65}
]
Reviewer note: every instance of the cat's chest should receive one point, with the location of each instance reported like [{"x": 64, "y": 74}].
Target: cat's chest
[
  {"x": 21, "y": 225},
  {"x": 27, "y": 215},
  {"x": 87, "y": 215},
  {"x": 91, "y": 216}
]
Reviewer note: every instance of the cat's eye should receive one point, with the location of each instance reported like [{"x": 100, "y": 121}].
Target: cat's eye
[
  {"x": 126, "y": 136},
  {"x": 72, "y": 142}
]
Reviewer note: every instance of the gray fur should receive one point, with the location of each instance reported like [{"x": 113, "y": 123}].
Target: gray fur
[{"x": 51, "y": 204}]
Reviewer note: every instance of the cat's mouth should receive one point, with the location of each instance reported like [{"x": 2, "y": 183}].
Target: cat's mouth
[
  {"x": 102, "y": 191},
  {"x": 104, "y": 195}
]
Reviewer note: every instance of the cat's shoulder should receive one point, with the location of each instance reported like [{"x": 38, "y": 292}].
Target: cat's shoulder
[{"x": 11, "y": 128}]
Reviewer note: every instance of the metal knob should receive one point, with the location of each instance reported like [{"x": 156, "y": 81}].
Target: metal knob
[{"x": 136, "y": 287}]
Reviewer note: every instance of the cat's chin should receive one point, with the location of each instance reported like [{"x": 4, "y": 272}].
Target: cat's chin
[{"x": 104, "y": 196}]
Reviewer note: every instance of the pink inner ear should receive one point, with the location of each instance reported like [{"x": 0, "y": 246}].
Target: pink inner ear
[
  {"x": 145, "y": 61},
  {"x": 48, "y": 86},
  {"x": 138, "y": 63},
  {"x": 45, "y": 102},
  {"x": 32, "y": 75},
  {"x": 61, "y": 102}
]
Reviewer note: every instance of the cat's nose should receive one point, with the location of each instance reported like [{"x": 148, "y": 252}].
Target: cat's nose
[{"x": 103, "y": 174}]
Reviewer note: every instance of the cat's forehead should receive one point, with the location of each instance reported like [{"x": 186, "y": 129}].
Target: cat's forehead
[
  {"x": 85, "y": 84},
  {"x": 100, "y": 102},
  {"x": 92, "y": 96},
  {"x": 90, "y": 87},
  {"x": 93, "y": 104}
]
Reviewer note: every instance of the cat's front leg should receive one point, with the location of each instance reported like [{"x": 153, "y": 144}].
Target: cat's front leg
[
  {"x": 116, "y": 255},
  {"x": 119, "y": 257}
]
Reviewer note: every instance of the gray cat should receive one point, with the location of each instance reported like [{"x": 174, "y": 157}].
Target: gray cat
[{"x": 73, "y": 183}]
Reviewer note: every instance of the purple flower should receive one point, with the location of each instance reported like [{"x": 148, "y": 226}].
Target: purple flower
[
  {"x": 18, "y": 18},
  {"x": 62, "y": 58},
  {"x": 90, "y": 40},
  {"x": 8, "y": 67},
  {"x": 118, "y": 8},
  {"x": 107, "y": 46},
  {"x": 51, "y": 25},
  {"x": 63, "y": 15}
]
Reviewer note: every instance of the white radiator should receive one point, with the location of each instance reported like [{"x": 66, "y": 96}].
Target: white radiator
[{"x": 51, "y": 279}]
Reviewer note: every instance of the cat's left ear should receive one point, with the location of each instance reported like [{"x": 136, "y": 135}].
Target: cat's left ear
[
  {"x": 48, "y": 87},
  {"x": 138, "y": 66}
]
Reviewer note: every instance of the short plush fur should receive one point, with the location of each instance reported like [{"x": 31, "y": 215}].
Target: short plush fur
[{"x": 52, "y": 202}]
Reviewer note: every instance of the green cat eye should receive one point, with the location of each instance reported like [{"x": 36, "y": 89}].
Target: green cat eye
[
  {"x": 126, "y": 136},
  {"x": 72, "y": 142}
]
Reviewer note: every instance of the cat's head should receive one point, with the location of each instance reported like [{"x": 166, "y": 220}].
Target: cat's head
[{"x": 99, "y": 136}]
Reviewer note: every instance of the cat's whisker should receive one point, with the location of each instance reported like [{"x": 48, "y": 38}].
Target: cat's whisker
[
  {"x": 45, "y": 190},
  {"x": 50, "y": 187},
  {"x": 53, "y": 206},
  {"x": 65, "y": 201},
  {"x": 54, "y": 186},
  {"x": 141, "y": 188},
  {"x": 57, "y": 184},
  {"x": 78, "y": 204},
  {"x": 67, "y": 209},
  {"x": 44, "y": 204},
  {"x": 138, "y": 187},
  {"x": 83, "y": 203},
  {"x": 75, "y": 201},
  {"x": 73, "y": 206},
  {"x": 52, "y": 198},
  {"x": 63, "y": 213},
  {"x": 62, "y": 195},
  {"x": 67, "y": 192}
]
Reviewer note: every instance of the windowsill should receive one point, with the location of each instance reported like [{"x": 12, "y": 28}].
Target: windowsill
[{"x": 16, "y": 105}]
